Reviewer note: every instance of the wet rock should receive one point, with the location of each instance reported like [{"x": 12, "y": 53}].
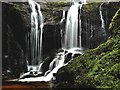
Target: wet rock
[
  {"x": 51, "y": 39},
  {"x": 68, "y": 57}
]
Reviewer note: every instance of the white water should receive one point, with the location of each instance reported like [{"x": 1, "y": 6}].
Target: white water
[
  {"x": 91, "y": 31},
  {"x": 72, "y": 27},
  {"x": 63, "y": 17},
  {"x": 54, "y": 66},
  {"x": 71, "y": 46},
  {"x": 34, "y": 41},
  {"x": 102, "y": 21},
  {"x": 62, "y": 25}
]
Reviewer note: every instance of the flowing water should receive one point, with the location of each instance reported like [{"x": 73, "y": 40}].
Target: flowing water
[
  {"x": 62, "y": 21},
  {"x": 34, "y": 39},
  {"x": 55, "y": 65},
  {"x": 71, "y": 45},
  {"x": 71, "y": 33},
  {"x": 102, "y": 21},
  {"x": 73, "y": 30}
]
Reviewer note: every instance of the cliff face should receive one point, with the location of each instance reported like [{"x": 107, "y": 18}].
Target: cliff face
[
  {"x": 97, "y": 68},
  {"x": 92, "y": 29}
]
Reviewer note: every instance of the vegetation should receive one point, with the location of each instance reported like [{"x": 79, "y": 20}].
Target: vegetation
[
  {"x": 97, "y": 68},
  {"x": 57, "y": 5},
  {"x": 91, "y": 6}
]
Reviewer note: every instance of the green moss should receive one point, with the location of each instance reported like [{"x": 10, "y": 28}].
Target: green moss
[
  {"x": 114, "y": 25},
  {"x": 92, "y": 9},
  {"x": 91, "y": 6},
  {"x": 20, "y": 7},
  {"x": 57, "y": 5},
  {"x": 99, "y": 67}
]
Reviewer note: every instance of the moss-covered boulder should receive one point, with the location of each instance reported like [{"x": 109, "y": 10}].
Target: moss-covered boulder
[
  {"x": 114, "y": 25},
  {"x": 97, "y": 68}
]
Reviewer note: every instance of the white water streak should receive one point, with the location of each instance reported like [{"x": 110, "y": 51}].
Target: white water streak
[
  {"x": 36, "y": 32},
  {"x": 102, "y": 20},
  {"x": 72, "y": 24}
]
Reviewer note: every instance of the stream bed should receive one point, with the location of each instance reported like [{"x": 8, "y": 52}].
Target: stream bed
[{"x": 13, "y": 85}]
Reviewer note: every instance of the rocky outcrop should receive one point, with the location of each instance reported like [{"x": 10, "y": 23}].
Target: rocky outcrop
[
  {"x": 51, "y": 39},
  {"x": 91, "y": 23},
  {"x": 15, "y": 24},
  {"x": 97, "y": 68}
]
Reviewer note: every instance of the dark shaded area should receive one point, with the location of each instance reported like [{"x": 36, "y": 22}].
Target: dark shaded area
[
  {"x": 47, "y": 61},
  {"x": 51, "y": 39},
  {"x": 14, "y": 28}
]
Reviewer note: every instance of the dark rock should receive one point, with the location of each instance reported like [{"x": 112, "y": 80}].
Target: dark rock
[
  {"x": 14, "y": 27},
  {"x": 68, "y": 57},
  {"x": 76, "y": 55},
  {"x": 64, "y": 77},
  {"x": 47, "y": 61},
  {"x": 51, "y": 39}
]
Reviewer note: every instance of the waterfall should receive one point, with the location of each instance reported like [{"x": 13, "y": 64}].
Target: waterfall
[
  {"x": 62, "y": 27},
  {"x": 71, "y": 47},
  {"x": 34, "y": 40},
  {"x": 102, "y": 21},
  {"x": 80, "y": 29},
  {"x": 91, "y": 31},
  {"x": 54, "y": 66},
  {"x": 73, "y": 26},
  {"x": 63, "y": 17}
]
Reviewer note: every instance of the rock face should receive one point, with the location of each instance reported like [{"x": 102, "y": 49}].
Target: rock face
[
  {"x": 97, "y": 68},
  {"x": 15, "y": 25},
  {"x": 91, "y": 23},
  {"x": 51, "y": 39}
]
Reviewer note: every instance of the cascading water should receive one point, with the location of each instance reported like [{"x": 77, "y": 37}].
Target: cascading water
[
  {"x": 73, "y": 26},
  {"x": 102, "y": 21},
  {"x": 34, "y": 37},
  {"x": 62, "y": 25},
  {"x": 70, "y": 46}
]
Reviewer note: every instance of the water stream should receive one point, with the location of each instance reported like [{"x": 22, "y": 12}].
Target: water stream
[
  {"x": 102, "y": 21},
  {"x": 70, "y": 44},
  {"x": 34, "y": 40}
]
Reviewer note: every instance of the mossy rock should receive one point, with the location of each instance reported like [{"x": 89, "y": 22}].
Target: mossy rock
[
  {"x": 99, "y": 67},
  {"x": 114, "y": 25}
]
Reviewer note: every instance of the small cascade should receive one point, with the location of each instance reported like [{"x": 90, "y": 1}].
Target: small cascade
[
  {"x": 102, "y": 21},
  {"x": 63, "y": 17},
  {"x": 62, "y": 25},
  {"x": 54, "y": 66},
  {"x": 34, "y": 37}
]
